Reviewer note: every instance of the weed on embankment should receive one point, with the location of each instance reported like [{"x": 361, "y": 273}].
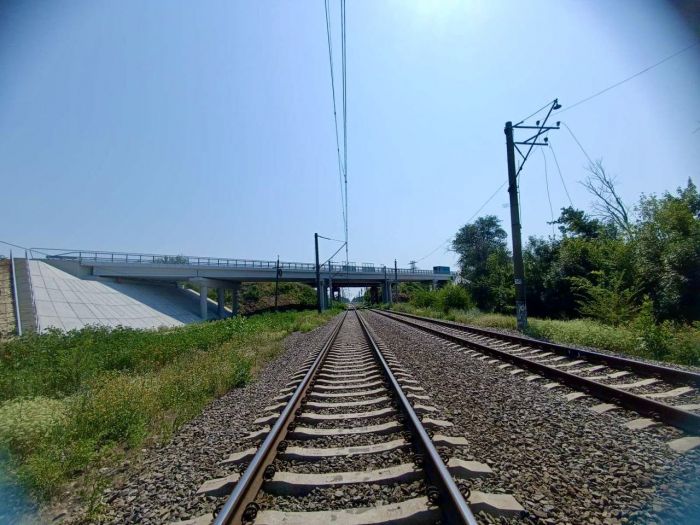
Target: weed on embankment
[
  {"x": 70, "y": 402},
  {"x": 665, "y": 342}
]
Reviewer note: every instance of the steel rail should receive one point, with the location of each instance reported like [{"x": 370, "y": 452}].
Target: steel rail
[
  {"x": 452, "y": 504},
  {"x": 670, "y": 415},
  {"x": 245, "y": 491},
  {"x": 671, "y": 375}
]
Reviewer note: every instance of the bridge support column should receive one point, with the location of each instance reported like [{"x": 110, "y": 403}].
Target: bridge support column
[
  {"x": 203, "y": 310},
  {"x": 324, "y": 294},
  {"x": 220, "y": 299},
  {"x": 374, "y": 294},
  {"x": 234, "y": 299}
]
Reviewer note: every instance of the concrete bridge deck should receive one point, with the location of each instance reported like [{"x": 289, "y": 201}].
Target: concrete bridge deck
[
  {"x": 183, "y": 268},
  {"x": 89, "y": 287}
]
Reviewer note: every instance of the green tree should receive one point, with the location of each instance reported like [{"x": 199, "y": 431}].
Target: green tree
[
  {"x": 667, "y": 252},
  {"x": 484, "y": 262}
]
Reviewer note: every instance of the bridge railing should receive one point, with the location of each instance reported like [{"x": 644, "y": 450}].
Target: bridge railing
[{"x": 220, "y": 262}]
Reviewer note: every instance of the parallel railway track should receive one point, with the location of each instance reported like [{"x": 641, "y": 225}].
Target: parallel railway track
[
  {"x": 352, "y": 419},
  {"x": 661, "y": 394}
]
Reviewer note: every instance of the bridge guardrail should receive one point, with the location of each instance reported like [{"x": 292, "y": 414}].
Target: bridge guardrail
[{"x": 149, "y": 258}]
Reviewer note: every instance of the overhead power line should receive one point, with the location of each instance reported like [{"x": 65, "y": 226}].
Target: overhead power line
[
  {"x": 549, "y": 197},
  {"x": 579, "y": 144},
  {"x": 341, "y": 170},
  {"x": 561, "y": 177},
  {"x": 548, "y": 104},
  {"x": 468, "y": 220},
  {"x": 616, "y": 84},
  {"x": 434, "y": 250},
  {"x": 345, "y": 119}
]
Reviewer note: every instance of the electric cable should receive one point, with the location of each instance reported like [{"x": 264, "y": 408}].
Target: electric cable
[
  {"x": 579, "y": 144},
  {"x": 536, "y": 112},
  {"x": 616, "y": 84},
  {"x": 561, "y": 177},
  {"x": 345, "y": 120},
  {"x": 549, "y": 197},
  {"x": 468, "y": 220},
  {"x": 329, "y": 38}
]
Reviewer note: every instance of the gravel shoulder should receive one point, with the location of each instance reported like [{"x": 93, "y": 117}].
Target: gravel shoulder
[
  {"x": 161, "y": 486},
  {"x": 562, "y": 462},
  {"x": 505, "y": 331}
]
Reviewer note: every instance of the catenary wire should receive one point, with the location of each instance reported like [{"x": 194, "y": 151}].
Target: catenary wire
[
  {"x": 345, "y": 121},
  {"x": 329, "y": 239},
  {"x": 329, "y": 38}
]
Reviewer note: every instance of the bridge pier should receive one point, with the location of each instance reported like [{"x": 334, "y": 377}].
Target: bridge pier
[
  {"x": 220, "y": 299},
  {"x": 374, "y": 294},
  {"x": 234, "y": 299},
  {"x": 324, "y": 294},
  {"x": 203, "y": 310}
]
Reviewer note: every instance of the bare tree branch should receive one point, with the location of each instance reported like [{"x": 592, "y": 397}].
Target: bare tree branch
[{"x": 609, "y": 204}]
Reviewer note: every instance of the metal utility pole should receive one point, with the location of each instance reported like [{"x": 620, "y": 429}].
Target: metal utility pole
[
  {"x": 318, "y": 276},
  {"x": 277, "y": 281},
  {"x": 511, "y": 148}
]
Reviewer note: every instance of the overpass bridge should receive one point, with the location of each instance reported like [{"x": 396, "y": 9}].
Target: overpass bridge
[{"x": 225, "y": 273}]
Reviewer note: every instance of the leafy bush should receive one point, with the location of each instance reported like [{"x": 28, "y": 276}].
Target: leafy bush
[
  {"x": 453, "y": 296},
  {"x": 450, "y": 296},
  {"x": 74, "y": 399},
  {"x": 424, "y": 299},
  {"x": 610, "y": 301}
]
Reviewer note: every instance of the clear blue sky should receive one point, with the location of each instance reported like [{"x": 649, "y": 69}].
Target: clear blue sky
[{"x": 206, "y": 128}]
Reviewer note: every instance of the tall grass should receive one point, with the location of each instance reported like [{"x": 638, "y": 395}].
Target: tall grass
[
  {"x": 673, "y": 343},
  {"x": 73, "y": 401}
]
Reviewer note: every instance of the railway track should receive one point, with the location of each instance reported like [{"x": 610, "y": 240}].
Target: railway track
[
  {"x": 659, "y": 394},
  {"x": 352, "y": 439}
]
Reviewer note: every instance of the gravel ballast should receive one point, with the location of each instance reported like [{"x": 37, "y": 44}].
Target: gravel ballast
[
  {"x": 564, "y": 463},
  {"x": 161, "y": 487}
]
